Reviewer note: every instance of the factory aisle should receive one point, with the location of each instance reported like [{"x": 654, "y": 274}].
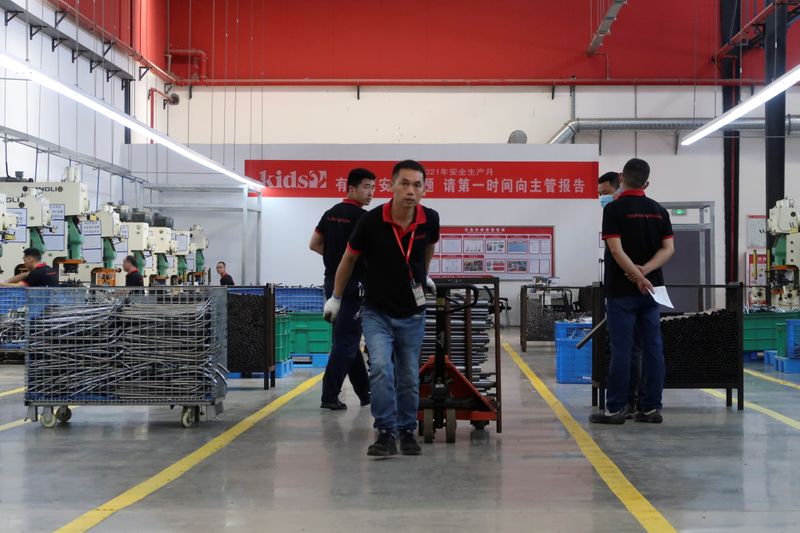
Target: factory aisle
[{"x": 301, "y": 469}]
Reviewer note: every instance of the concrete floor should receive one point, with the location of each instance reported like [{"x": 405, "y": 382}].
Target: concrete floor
[{"x": 301, "y": 469}]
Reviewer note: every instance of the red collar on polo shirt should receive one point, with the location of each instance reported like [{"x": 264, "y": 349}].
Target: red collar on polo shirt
[
  {"x": 134, "y": 270},
  {"x": 419, "y": 218},
  {"x": 351, "y": 202},
  {"x": 631, "y": 192},
  {"x": 40, "y": 265}
]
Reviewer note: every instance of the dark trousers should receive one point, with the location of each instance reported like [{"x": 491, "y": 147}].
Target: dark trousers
[
  {"x": 345, "y": 359},
  {"x": 627, "y": 316},
  {"x": 636, "y": 367}
]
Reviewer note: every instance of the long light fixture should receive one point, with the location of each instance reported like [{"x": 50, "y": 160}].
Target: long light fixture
[
  {"x": 767, "y": 93},
  {"x": 28, "y": 71}
]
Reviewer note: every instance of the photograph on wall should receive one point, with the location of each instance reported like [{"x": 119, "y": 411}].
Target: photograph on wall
[
  {"x": 517, "y": 247},
  {"x": 473, "y": 246},
  {"x": 435, "y": 267},
  {"x": 473, "y": 265},
  {"x": 451, "y": 265},
  {"x": 451, "y": 246},
  {"x": 495, "y": 265},
  {"x": 518, "y": 265},
  {"x": 495, "y": 247},
  {"x": 517, "y": 253}
]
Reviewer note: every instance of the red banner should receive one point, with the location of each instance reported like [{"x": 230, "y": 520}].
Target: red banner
[{"x": 445, "y": 179}]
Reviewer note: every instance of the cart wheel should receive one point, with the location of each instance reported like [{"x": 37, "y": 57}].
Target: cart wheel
[
  {"x": 450, "y": 427},
  {"x": 188, "y": 417},
  {"x": 427, "y": 425},
  {"x": 48, "y": 418},
  {"x": 63, "y": 414},
  {"x": 480, "y": 424}
]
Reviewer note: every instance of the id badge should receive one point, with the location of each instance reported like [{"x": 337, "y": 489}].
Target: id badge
[{"x": 419, "y": 294}]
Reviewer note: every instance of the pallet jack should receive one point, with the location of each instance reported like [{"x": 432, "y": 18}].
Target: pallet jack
[{"x": 446, "y": 394}]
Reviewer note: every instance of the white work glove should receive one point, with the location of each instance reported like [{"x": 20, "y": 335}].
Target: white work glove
[
  {"x": 331, "y": 309},
  {"x": 431, "y": 285}
]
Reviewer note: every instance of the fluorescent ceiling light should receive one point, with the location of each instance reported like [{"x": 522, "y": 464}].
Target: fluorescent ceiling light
[
  {"x": 767, "y": 93},
  {"x": 25, "y": 69}
]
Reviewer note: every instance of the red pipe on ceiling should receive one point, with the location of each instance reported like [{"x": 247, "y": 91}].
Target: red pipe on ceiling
[
  {"x": 201, "y": 56},
  {"x": 459, "y": 82}
]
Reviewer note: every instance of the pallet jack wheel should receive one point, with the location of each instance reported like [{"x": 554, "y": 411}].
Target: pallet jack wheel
[
  {"x": 450, "y": 428},
  {"x": 427, "y": 425}
]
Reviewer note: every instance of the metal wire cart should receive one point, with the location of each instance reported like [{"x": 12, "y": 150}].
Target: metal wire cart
[{"x": 107, "y": 346}]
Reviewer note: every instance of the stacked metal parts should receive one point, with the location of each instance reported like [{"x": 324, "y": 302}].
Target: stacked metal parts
[
  {"x": 468, "y": 336},
  {"x": 116, "y": 347}
]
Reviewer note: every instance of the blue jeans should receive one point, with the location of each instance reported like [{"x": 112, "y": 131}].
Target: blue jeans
[
  {"x": 625, "y": 316},
  {"x": 345, "y": 358},
  {"x": 394, "y": 346}
]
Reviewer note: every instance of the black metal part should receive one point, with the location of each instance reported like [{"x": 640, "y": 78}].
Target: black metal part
[
  {"x": 11, "y": 14},
  {"x": 59, "y": 17},
  {"x": 33, "y": 30},
  {"x": 107, "y": 46},
  {"x": 143, "y": 72}
]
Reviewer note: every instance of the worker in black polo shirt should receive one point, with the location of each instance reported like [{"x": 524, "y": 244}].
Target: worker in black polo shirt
[
  {"x": 330, "y": 241},
  {"x": 224, "y": 277},
  {"x": 37, "y": 274},
  {"x": 397, "y": 241},
  {"x": 132, "y": 277},
  {"x": 638, "y": 236}
]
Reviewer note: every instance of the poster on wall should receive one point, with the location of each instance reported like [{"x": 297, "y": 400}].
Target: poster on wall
[
  {"x": 517, "y": 253},
  {"x": 445, "y": 179}
]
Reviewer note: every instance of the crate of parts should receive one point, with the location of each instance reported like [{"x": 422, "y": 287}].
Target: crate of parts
[
  {"x": 760, "y": 329},
  {"x": 300, "y": 299},
  {"x": 572, "y": 365},
  {"x": 309, "y": 333},
  {"x": 780, "y": 339},
  {"x": 791, "y": 347}
]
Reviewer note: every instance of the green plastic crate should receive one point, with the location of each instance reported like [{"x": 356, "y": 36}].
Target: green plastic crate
[
  {"x": 281, "y": 338},
  {"x": 760, "y": 330},
  {"x": 309, "y": 333}
]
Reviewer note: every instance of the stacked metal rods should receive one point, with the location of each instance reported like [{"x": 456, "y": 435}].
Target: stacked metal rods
[
  {"x": 482, "y": 367},
  {"x": 700, "y": 349},
  {"x": 98, "y": 346},
  {"x": 246, "y": 323}
]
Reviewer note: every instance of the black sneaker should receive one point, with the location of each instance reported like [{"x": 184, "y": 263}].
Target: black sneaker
[
  {"x": 604, "y": 417},
  {"x": 384, "y": 446},
  {"x": 333, "y": 406},
  {"x": 408, "y": 443},
  {"x": 653, "y": 416},
  {"x": 630, "y": 411},
  {"x": 364, "y": 400}
]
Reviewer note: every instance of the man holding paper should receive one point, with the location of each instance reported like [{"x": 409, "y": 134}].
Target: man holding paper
[{"x": 638, "y": 235}]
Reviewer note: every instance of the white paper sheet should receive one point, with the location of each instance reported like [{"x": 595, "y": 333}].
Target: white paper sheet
[{"x": 661, "y": 296}]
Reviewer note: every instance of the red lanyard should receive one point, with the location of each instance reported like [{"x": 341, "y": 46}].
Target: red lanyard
[{"x": 406, "y": 253}]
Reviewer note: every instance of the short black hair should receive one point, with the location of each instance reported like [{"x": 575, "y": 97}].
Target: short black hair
[
  {"x": 222, "y": 263},
  {"x": 410, "y": 165},
  {"x": 32, "y": 252},
  {"x": 357, "y": 175},
  {"x": 130, "y": 259},
  {"x": 636, "y": 172},
  {"x": 612, "y": 178}
]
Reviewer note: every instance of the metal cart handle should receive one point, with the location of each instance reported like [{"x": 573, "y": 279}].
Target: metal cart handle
[{"x": 443, "y": 288}]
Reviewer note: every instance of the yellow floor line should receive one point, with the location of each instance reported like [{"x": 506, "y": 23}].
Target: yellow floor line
[
  {"x": 641, "y": 509},
  {"x": 12, "y": 391},
  {"x": 791, "y": 422},
  {"x": 174, "y": 471},
  {"x": 767, "y": 377},
  {"x": 12, "y": 425}
]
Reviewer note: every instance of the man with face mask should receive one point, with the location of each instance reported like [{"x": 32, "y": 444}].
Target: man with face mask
[{"x": 607, "y": 190}]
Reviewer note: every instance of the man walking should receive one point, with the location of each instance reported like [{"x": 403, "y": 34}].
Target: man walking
[
  {"x": 638, "y": 236},
  {"x": 330, "y": 241},
  {"x": 397, "y": 241}
]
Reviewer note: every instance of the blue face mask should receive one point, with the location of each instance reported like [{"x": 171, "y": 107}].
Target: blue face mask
[{"x": 606, "y": 199}]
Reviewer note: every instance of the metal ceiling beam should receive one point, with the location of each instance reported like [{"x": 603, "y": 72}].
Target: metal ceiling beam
[
  {"x": 47, "y": 147},
  {"x": 57, "y": 37},
  {"x": 605, "y": 26},
  {"x": 752, "y": 33}
]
